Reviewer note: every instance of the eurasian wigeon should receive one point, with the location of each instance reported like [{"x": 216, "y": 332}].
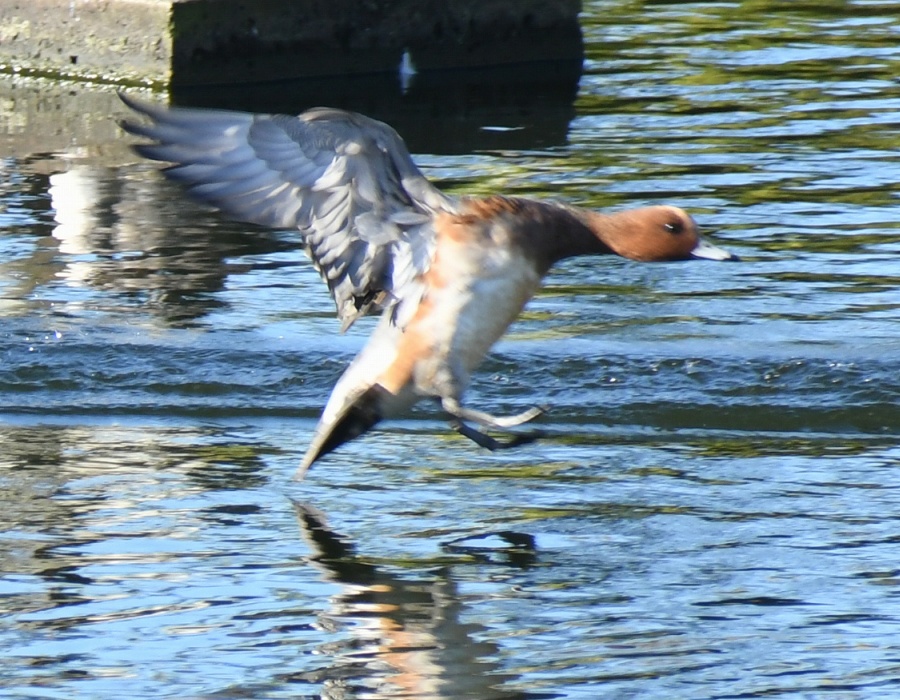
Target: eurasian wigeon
[{"x": 448, "y": 275}]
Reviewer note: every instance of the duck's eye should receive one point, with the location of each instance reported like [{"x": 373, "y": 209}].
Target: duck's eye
[{"x": 675, "y": 227}]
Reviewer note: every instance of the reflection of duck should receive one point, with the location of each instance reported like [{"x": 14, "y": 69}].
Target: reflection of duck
[
  {"x": 409, "y": 641},
  {"x": 449, "y": 275}
]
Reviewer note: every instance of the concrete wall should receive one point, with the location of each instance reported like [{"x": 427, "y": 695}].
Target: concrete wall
[{"x": 207, "y": 42}]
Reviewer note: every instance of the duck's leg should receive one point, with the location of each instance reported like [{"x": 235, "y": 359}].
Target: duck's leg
[
  {"x": 453, "y": 407},
  {"x": 460, "y": 415}
]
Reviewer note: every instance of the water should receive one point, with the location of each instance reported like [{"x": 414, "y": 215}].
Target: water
[{"x": 713, "y": 511}]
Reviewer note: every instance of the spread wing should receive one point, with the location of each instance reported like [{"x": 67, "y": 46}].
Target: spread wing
[{"x": 345, "y": 181}]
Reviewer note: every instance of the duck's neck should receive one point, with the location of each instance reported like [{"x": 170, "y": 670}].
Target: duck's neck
[
  {"x": 574, "y": 232},
  {"x": 547, "y": 232}
]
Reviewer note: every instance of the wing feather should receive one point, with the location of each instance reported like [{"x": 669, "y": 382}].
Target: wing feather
[{"x": 345, "y": 181}]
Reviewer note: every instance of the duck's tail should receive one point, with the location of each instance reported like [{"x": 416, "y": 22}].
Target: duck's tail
[{"x": 354, "y": 419}]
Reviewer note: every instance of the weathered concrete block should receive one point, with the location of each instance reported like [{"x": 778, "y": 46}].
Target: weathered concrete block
[
  {"x": 205, "y": 42},
  {"x": 107, "y": 40}
]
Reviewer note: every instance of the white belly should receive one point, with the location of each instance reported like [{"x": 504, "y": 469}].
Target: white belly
[{"x": 471, "y": 315}]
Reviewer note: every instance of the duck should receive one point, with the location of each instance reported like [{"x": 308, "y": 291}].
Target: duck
[{"x": 446, "y": 274}]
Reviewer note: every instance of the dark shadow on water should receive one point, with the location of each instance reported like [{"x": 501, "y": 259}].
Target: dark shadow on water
[{"x": 440, "y": 112}]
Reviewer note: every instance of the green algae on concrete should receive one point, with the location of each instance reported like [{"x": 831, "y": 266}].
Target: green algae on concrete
[{"x": 207, "y": 42}]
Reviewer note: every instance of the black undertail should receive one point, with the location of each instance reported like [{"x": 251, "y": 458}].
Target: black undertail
[{"x": 358, "y": 418}]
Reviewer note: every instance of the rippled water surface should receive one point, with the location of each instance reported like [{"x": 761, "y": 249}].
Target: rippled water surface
[{"x": 712, "y": 512}]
